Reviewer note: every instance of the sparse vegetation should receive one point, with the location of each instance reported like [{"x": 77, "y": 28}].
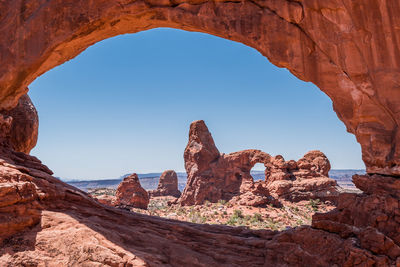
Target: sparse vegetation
[
  {"x": 222, "y": 202},
  {"x": 273, "y": 218},
  {"x": 314, "y": 204}
]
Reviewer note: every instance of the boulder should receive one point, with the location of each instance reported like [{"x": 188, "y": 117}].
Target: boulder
[
  {"x": 130, "y": 194},
  {"x": 25, "y": 124},
  {"x": 167, "y": 185}
]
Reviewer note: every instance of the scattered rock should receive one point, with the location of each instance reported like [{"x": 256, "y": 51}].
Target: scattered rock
[
  {"x": 167, "y": 185},
  {"x": 130, "y": 193}
]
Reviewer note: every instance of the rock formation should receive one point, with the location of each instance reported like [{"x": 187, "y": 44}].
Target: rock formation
[
  {"x": 349, "y": 49},
  {"x": 25, "y": 124},
  {"x": 106, "y": 200},
  {"x": 334, "y": 44},
  {"x": 167, "y": 185},
  {"x": 213, "y": 176},
  {"x": 302, "y": 180},
  {"x": 131, "y": 194}
]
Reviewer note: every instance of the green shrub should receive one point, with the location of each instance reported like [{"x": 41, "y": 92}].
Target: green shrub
[
  {"x": 314, "y": 204},
  {"x": 256, "y": 218},
  {"x": 222, "y": 202},
  {"x": 237, "y": 214}
]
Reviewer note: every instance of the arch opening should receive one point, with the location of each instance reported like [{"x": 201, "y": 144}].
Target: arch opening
[
  {"x": 258, "y": 172},
  {"x": 230, "y": 50},
  {"x": 332, "y": 44},
  {"x": 280, "y": 36}
]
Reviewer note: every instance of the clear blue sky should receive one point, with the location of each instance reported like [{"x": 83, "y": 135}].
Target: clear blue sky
[{"x": 126, "y": 103}]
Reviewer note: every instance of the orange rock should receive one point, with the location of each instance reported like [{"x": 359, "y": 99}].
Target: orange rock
[
  {"x": 25, "y": 124},
  {"x": 334, "y": 44},
  {"x": 131, "y": 194},
  {"x": 167, "y": 185},
  {"x": 349, "y": 49},
  {"x": 302, "y": 180},
  {"x": 213, "y": 176}
]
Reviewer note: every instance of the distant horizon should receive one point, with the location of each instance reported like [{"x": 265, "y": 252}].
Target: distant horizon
[{"x": 159, "y": 173}]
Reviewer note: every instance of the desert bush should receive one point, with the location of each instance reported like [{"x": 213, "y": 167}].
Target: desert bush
[
  {"x": 256, "y": 218},
  {"x": 222, "y": 202},
  {"x": 314, "y": 204}
]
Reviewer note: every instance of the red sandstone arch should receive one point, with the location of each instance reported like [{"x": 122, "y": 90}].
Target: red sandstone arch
[{"x": 349, "y": 49}]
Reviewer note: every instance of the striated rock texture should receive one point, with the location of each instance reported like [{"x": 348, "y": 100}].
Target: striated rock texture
[
  {"x": 213, "y": 176},
  {"x": 25, "y": 124},
  {"x": 131, "y": 194},
  {"x": 372, "y": 218},
  {"x": 302, "y": 180},
  {"x": 44, "y": 221},
  {"x": 349, "y": 49},
  {"x": 167, "y": 185}
]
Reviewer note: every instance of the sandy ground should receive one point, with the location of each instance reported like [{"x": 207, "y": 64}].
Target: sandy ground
[{"x": 274, "y": 218}]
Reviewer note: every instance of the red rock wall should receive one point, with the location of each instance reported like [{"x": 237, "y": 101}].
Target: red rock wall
[{"x": 349, "y": 49}]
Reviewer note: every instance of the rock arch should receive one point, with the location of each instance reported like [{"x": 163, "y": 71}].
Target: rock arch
[
  {"x": 349, "y": 49},
  {"x": 334, "y": 44},
  {"x": 215, "y": 176}
]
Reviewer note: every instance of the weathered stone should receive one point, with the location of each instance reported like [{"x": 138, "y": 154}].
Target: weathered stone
[
  {"x": 167, "y": 185},
  {"x": 302, "y": 180},
  {"x": 131, "y": 194},
  {"x": 213, "y": 176},
  {"x": 24, "y": 127},
  {"x": 349, "y": 50}
]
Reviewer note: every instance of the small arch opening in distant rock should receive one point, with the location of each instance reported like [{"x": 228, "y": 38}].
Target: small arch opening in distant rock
[{"x": 258, "y": 172}]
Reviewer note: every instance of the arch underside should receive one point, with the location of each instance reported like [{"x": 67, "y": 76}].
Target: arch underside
[
  {"x": 334, "y": 44},
  {"x": 349, "y": 49}
]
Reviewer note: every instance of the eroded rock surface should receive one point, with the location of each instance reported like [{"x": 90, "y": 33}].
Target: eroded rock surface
[
  {"x": 25, "y": 123},
  {"x": 213, "y": 176},
  {"x": 372, "y": 217},
  {"x": 45, "y": 221},
  {"x": 167, "y": 185},
  {"x": 131, "y": 194},
  {"x": 350, "y": 50},
  {"x": 302, "y": 180}
]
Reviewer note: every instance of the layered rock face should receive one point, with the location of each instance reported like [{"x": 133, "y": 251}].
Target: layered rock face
[
  {"x": 302, "y": 180},
  {"x": 371, "y": 218},
  {"x": 349, "y": 49},
  {"x": 131, "y": 194},
  {"x": 167, "y": 185},
  {"x": 44, "y": 221},
  {"x": 213, "y": 176}
]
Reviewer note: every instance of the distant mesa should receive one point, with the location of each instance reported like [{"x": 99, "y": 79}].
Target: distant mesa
[
  {"x": 130, "y": 194},
  {"x": 167, "y": 185},
  {"x": 213, "y": 176}
]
